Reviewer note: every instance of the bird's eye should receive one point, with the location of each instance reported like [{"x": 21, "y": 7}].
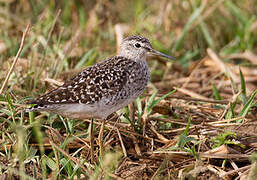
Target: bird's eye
[{"x": 137, "y": 45}]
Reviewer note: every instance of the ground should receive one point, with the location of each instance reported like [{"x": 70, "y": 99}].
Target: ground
[{"x": 196, "y": 119}]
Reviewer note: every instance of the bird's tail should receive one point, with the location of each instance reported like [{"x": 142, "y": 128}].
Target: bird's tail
[
  {"x": 31, "y": 109},
  {"x": 35, "y": 108}
]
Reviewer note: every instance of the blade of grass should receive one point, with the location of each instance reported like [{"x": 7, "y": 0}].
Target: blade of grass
[
  {"x": 151, "y": 99},
  {"x": 188, "y": 25},
  {"x": 242, "y": 80},
  {"x": 139, "y": 110},
  {"x": 207, "y": 35},
  {"x": 50, "y": 163},
  {"x": 216, "y": 92},
  {"x": 187, "y": 57},
  {"x": 152, "y": 102},
  {"x": 248, "y": 104},
  {"x": 203, "y": 28},
  {"x": 183, "y": 139},
  {"x": 84, "y": 59},
  {"x": 236, "y": 11},
  {"x": 243, "y": 95},
  {"x": 231, "y": 113}
]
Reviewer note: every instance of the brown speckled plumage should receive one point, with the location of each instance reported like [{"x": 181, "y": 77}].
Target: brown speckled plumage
[{"x": 103, "y": 88}]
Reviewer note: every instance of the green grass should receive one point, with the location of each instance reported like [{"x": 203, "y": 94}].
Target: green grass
[{"x": 68, "y": 36}]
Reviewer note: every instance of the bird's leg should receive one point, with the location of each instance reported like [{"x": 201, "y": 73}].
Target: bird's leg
[
  {"x": 144, "y": 119},
  {"x": 100, "y": 139},
  {"x": 91, "y": 135},
  {"x": 132, "y": 112}
]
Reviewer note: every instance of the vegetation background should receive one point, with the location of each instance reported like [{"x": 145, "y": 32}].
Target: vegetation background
[{"x": 197, "y": 118}]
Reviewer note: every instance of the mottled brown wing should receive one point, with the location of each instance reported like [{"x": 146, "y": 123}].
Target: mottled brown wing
[{"x": 92, "y": 84}]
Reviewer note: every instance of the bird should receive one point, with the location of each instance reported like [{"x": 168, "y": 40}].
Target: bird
[{"x": 104, "y": 88}]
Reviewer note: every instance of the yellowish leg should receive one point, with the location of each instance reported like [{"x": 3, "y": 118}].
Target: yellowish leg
[
  {"x": 91, "y": 135},
  {"x": 100, "y": 139}
]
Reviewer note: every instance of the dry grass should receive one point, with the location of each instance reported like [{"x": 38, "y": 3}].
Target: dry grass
[{"x": 204, "y": 128}]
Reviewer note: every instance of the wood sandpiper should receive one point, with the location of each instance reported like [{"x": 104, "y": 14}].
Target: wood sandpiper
[{"x": 104, "y": 88}]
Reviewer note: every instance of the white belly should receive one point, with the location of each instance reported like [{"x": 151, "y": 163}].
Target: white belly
[{"x": 82, "y": 111}]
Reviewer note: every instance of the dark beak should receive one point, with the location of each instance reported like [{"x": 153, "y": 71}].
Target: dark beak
[{"x": 157, "y": 53}]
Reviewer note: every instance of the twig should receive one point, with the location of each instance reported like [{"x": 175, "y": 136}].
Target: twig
[
  {"x": 191, "y": 93},
  {"x": 197, "y": 99},
  {"x": 235, "y": 171},
  {"x": 160, "y": 136},
  {"x": 122, "y": 144},
  {"x": 193, "y": 73},
  {"x": 221, "y": 64},
  {"x": 15, "y": 59},
  {"x": 246, "y": 55},
  {"x": 234, "y": 165},
  {"x": 115, "y": 176},
  {"x": 156, "y": 172},
  {"x": 126, "y": 132}
]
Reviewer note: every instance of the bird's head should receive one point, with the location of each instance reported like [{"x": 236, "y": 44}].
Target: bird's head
[{"x": 138, "y": 48}]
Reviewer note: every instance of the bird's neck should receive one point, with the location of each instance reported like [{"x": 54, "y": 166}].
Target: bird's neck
[{"x": 133, "y": 57}]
